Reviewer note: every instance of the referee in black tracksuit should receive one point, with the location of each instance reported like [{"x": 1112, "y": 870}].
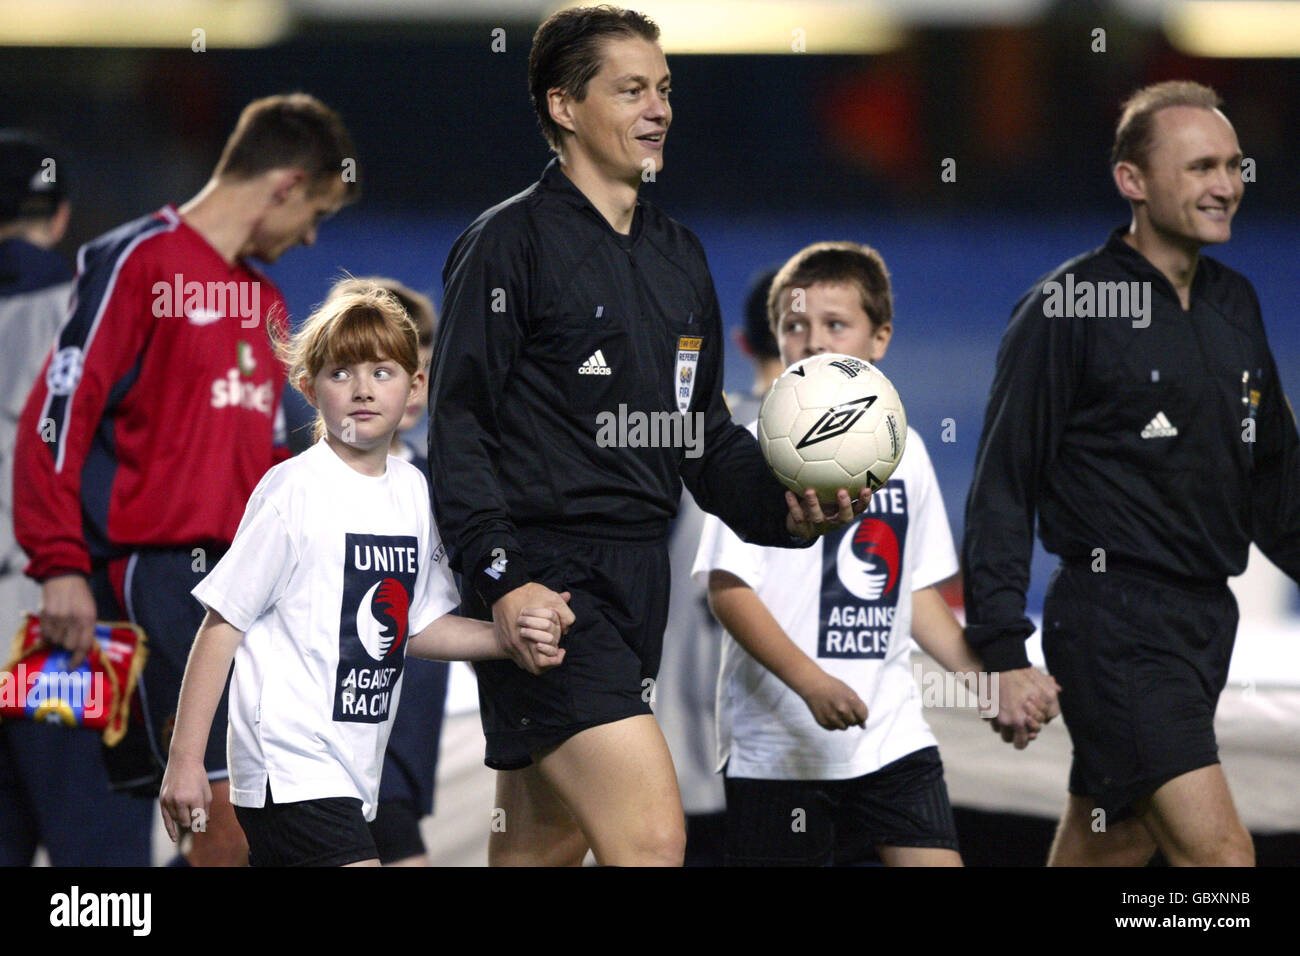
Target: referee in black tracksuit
[
  {"x": 557, "y": 329},
  {"x": 1153, "y": 446},
  {"x": 522, "y": 489}
]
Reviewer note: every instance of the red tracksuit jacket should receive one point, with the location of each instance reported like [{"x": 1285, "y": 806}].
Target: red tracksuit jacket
[{"x": 155, "y": 414}]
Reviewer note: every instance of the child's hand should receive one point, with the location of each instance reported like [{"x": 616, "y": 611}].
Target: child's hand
[
  {"x": 186, "y": 796},
  {"x": 541, "y": 627},
  {"x": 835, "y": 705}
]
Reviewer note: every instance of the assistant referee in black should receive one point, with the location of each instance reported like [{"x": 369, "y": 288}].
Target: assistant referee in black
[
  {"x": 572, "y": 299},
  {"x": 1137, "y": 413}
]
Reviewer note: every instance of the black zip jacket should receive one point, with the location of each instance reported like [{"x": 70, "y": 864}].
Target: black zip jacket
[
  {"x": 1132, "y": 439},
  {"x": 554, "y": 325}
]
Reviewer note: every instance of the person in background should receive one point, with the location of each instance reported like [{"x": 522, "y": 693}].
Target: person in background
[
  {"x": 53, "y": 786},
  {"x": 156, "y": 415},
  {"x": 756, "y": 340}
]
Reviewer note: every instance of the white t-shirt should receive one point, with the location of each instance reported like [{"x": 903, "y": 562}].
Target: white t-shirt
[
  {"x": 329, "y": 575},
  {"x": 847, "y": 603}
]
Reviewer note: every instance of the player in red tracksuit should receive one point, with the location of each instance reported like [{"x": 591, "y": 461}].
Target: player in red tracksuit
[{"x": 155, "y": 414}]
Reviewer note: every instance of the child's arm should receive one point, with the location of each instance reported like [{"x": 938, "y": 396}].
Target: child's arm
[
  {"x": 940, "y": 634},
  {"x": 455, "y": 638},
  {"x": 833, "y": 703},
  {"x": 185, "y": 784}
]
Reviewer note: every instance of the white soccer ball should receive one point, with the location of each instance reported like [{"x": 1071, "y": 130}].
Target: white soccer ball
[{"x": 830, "y": 422}]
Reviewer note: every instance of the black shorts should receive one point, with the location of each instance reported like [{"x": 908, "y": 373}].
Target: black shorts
[
  {"x": 1141, "y": 663},
  {"x": 620, "y": 602},
  {"x": 904, "y": 803},
  {"x": 151, "y": 588},
  {"x": 330, "y": 831}
]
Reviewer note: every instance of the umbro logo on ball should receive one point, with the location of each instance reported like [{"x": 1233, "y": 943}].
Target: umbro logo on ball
[{"x": 836, "y": 420}]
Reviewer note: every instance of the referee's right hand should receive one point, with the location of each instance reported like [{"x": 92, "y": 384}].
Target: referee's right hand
[
  {"x": 505, "y": 619},
  {"x": 68, "y": 615}
]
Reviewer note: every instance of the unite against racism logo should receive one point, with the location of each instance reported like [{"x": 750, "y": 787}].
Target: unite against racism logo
[
  {"x": 862, "y": 567},
  {"x": 379, "y": 574}
]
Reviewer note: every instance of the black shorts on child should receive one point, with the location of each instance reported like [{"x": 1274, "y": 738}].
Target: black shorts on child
[
  {"x": 330, "y": 831},
  {"x": 839, "y": 822}
]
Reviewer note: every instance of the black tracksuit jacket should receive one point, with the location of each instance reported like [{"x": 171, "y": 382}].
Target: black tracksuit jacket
[
  {"x": 533, "y": 290},
  {"x": 1130, "y": 439}
]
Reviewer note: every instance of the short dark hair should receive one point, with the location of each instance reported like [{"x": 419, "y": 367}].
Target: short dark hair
[
  {"x": 566, "y": 54},
  {"x": 1135, "y": 131},
  {"x": 290, "y": 129},
  {"x": 837, "y": 262},
  {"x": 33, "y": 177},
  {"x": 758, "y": 330}
]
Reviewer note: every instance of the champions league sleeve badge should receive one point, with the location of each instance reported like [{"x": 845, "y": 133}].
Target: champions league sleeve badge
[
  {"x": 379, "y": 574},
  {"x": 688, "y": 363}
]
